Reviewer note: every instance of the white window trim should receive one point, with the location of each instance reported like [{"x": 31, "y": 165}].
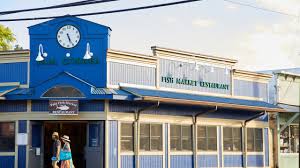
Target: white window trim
[
  {"x": 181, "y": 151},
  {"x": 208, "y": 151},
  {"x": 162, "y": 139}
]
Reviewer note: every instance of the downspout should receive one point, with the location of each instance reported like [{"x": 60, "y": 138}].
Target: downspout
[
  {"x": 137, "y": 114},
  {"x": 194, "y": 117},
  {"x": 244, "y": 135}
]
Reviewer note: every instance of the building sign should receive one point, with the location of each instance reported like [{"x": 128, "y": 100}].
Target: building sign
[
  {"x": 68, "y": 61},
  {"x": 63, "y": 107},
  {"x": 195, "y": 83}
]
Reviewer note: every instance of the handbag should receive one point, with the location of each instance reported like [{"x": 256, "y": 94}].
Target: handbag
[{"x": 64, "y": 155}]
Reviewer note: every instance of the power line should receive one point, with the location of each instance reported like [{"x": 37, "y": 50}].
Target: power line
[
  {"x": 260, "y": 8},
  {"x": 79, "y": 3},
  {"x": 104, "y": 12}
]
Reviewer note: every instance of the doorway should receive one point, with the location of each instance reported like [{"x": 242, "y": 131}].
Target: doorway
[{"x": 77, "y": 131}]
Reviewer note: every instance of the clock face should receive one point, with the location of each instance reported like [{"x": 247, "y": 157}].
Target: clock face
[{"x": 68, "y": 36}]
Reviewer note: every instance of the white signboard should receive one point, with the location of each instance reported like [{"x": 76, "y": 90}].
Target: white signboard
[{"x": 22, "y": 139}]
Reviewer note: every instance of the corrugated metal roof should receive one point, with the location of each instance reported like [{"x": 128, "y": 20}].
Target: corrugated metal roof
[
  {"x": 202, "y": 99},
  {"x": 105, "y": 91}
]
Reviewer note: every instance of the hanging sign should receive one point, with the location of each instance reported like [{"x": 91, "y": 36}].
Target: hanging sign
[{"x": 63, "y": 107}]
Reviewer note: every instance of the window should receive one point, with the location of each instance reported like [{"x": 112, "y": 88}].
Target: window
[
  {"x": 127, "y": 136},
  {"x": 254, "y": 140},
  {"x": 232, "y": 139},
  {"x": 7, "y": 137},
  {"x": 151, "y": 137},
  {"x": 181, "y": 138},
  {"x": 289, "y": 139},
  {"x": 207, "y": 138},
  {"x": 63, "y": 91}
]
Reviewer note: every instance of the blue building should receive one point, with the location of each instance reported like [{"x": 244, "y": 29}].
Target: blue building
[{"x": 172, "y": 109}]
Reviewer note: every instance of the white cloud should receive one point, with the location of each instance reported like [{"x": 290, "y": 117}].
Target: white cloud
[
  {"x": 203, "y": 22},
  {"x": 171, "y": 20},
  {"x": 231, "y": 7},
  {"x": 287, "y": 6},
  {"x": 271, "y": 47}
]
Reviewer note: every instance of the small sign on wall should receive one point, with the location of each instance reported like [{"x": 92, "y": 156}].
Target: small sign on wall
[
  {"x": 63, "y": 107},
  {"x": 22, "y": 139}
]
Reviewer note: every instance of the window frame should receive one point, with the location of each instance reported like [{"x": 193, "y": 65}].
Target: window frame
[
  {"x": 15, "y": 136},
  {"x": 207, "y": 139},
  {"x": 289, "y": 147},
  {"x": 133, "y": 137},
  {"x": 181, "y": 139},
  {"x": 44, "y": 95},
  {"x": 150, "y": 137},
  {"x": 255, "y": 139},
  {"x": 232, "y": 139}
]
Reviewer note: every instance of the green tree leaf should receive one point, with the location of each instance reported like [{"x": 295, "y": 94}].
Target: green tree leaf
[{"x": 6, "y": 38}]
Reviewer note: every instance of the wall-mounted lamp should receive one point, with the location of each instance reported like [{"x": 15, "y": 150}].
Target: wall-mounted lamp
[
  {"x": 88, "y": 53},
  {"x": 41, "y": 54}
]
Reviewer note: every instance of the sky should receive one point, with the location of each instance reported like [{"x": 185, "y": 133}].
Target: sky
[{"x": 258, "y": 39}]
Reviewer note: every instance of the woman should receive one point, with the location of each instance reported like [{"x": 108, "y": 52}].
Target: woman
[{"x": 66, "y": 154}]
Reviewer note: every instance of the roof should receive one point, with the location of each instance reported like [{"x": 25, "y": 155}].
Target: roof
[
  {"x": 252, "y": 74},
  {"x": 201, "y": 100},
  {"x": 197, "y": 55}
]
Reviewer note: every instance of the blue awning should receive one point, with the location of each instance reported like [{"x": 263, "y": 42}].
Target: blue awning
[
  {"x": 116, "y": 94},
  {"x": 202, "y": 100},
  {"x": 6, "y": 89}
]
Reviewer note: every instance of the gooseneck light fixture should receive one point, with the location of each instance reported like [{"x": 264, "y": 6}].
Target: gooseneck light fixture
[
  {"x": 88, "y": 53},
  {"x": 41, "y": 54}
]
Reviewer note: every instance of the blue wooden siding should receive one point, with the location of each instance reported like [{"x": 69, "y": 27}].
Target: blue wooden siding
[
  {"x": 220, "y": 146},
  {"x": 181, "y": 161},
  {"x": 255, "y": 160},
  {"x": 233, "y": 160},
  {"x": 14, "y": 72},
  {"x": 13, "y": 106},
  {"x": 22, "y": 156},
  {"x": 84, "y": 105},
  {"x": 39, "y": 105},
  {"x": 266, "y": 143},
  {"x": 166, "y": 145},
  {"x": 178, "y": 69},
  {"x": 132, "y": 74},
  {"x": 251, "y": 89},
  {"x": 22, "y": 126},
  {"x": 113, "y": 144},
  {"x": 207, "y": 161},
  {"x": 22, "y": 148},
  {"x": 7, "y": 161},
  {"x": 91, "y": 105},
  {"x": 127, "y": 161},
  {"x": 151, "y": 161}
]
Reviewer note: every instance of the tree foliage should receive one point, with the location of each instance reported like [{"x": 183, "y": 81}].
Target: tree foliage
[{"x": 6, "y": 38}]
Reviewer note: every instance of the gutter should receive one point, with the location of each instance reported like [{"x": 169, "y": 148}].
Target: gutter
[
  {"x": 195, "y": 148},
  {"x": 137, "y": 114},
  {"x": 244, "y": 136}
]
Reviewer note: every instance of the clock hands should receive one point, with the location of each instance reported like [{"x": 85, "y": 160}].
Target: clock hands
[{"x": 70, "y": 39}]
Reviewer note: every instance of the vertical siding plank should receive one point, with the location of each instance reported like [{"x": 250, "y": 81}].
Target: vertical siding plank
[
  {"x": 131, "y": 74},
  {"x": 113, "y": 144},
  {"x": 14, "y": 72}
]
